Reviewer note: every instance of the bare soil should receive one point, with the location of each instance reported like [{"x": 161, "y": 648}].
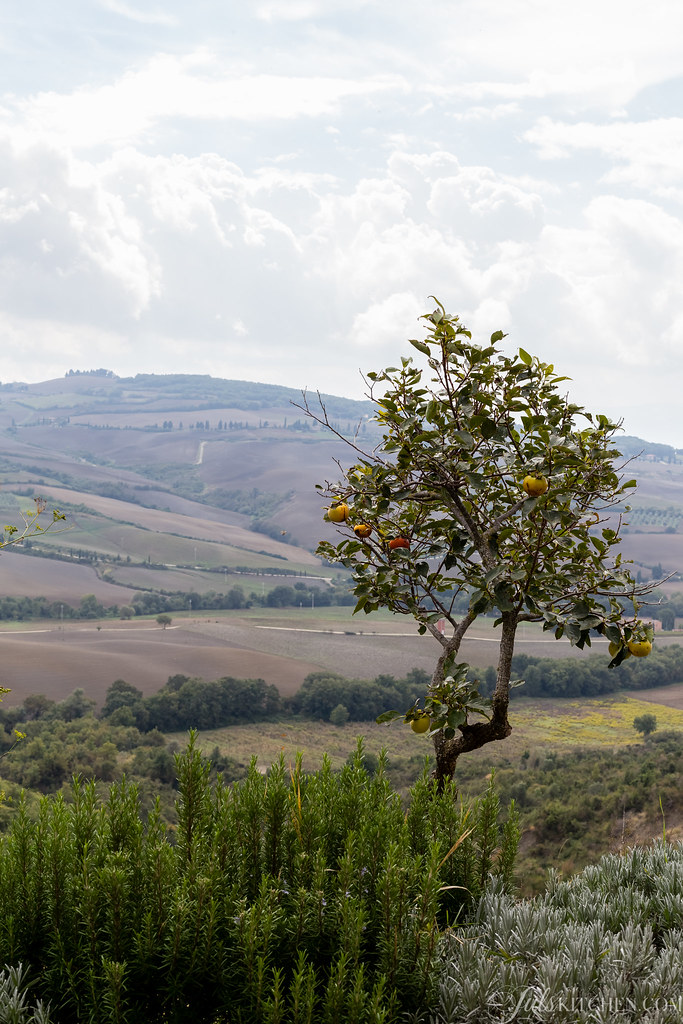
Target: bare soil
[
  {"x": 25, "y": 576},
  {"x": 56, "y": 661},
  {"x": 669, "y": 696}
]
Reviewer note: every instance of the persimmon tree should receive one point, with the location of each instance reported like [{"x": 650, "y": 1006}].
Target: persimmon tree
[{"x": 489, "y": 492}]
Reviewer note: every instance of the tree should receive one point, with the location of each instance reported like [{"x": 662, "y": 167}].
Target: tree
[
  {"x": 645, "y": 724},
  {"x": 491, "y": 484},
  {"x": 91, "y": 608},
  {"x": 120, "y": 694},
  {"x": 339, "y": 715},
  {"x": 76, "y": 705},
  {"x": 667, "y": 618},
  {"x": 164, "y": 620}
]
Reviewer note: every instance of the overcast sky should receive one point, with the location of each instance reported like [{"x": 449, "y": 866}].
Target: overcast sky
[{"x": 270, "y": 190}]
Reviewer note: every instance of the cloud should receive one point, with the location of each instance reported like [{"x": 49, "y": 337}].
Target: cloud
[
  {"x": 274, "y": 191},
  {"x": 134, "y": 14},
  {"x": 195, "y": 86},
  {"x": 648, "y": 154}
]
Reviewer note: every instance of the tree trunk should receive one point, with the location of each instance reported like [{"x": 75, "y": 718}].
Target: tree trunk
[{"x": 480, "y": 733}]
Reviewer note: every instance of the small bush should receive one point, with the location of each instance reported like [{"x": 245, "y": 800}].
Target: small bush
[
  {"x": 605, "y": 946},
  {"x": 339, "y": 715},
  {"x": 14, "y": 1008}
]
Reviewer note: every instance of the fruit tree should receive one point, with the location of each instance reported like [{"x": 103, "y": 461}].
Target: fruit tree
[{"x": 489, "y": 493}]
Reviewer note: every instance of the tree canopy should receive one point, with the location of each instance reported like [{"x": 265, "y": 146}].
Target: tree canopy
[{"x": 488, "y": 483}]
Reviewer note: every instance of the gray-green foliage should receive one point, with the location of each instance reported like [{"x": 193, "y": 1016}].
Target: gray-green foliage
[
  {"x": 339, "y": 715},
  {"x": 287, "y": 898},
  {"x": 645, "y": 724},
  {"x": 14, "y": 999},
  {"x": 604, "y": 946}
]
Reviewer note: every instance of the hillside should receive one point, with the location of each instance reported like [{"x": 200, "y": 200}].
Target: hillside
[
  {"x": 171, "y": 470},
  {"x": 173, "y": 482}
]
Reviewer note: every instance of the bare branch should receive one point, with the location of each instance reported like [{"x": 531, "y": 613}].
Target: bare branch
[{"x": 324, "y": 421}]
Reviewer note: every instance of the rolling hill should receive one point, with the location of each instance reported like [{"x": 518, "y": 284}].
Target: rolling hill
[
  {"x": 185, "y": 483},
  {"x": 196, "y": 471},
  {"x": 174, "y": 470}
]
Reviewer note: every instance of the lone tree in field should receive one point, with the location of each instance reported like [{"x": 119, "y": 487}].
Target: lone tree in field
[
  {"x": 645, "y": 723},
  {"x": 491, "y": 492}
]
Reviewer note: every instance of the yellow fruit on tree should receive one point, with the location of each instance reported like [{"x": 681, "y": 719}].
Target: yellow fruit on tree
[
  {"x": 639, "y": 648},
  {"x": 535, "y": 485},
  {"x": 363, "y": 530},
  {"x": 338, "y": 513},
  {"x": 420, "y": 724}
]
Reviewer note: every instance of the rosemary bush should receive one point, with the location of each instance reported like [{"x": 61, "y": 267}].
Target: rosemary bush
[
  {"x": 607, "y": 945},
  {"x": 290, "y": 898}
]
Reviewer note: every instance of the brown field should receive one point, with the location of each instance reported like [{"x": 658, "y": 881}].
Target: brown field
[
  {"x": 650, "y": 549},
  {"x": 667, "y": 696},
  {"x": 282, "y": 648},
  {"x": 138, "y": 418},
  {"x": 24, "y": 576},
  {"x": 55, "y": 661}
]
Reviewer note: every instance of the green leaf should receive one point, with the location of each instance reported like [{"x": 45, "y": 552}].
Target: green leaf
[
  {"x": 496, "y": 337},
  {"x": 420, "y": 346},
  {"x": 432, "y": 411},
  {"x": 613, "y": 633},
  {"x": 456, "y": 718},
  {"x": 494, "y": 573},
  {"x": 388, "y": 716},
  {"x": 479, "y": 602},
  {"x": 525, "y": 357}
]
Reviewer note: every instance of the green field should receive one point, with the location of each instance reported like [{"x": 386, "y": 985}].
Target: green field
[{"x": 112, "y": 539}]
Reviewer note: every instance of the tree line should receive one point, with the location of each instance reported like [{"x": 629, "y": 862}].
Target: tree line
[
  {"x": 186, "y": 703},
  {"x": 21, "y": 609},
  {"x": 590, "y": 677}
]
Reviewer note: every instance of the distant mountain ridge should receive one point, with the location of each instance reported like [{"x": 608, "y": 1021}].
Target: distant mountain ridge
[
  {"x": 635, "y": 446},
  {"x": 175, "y": 390}
]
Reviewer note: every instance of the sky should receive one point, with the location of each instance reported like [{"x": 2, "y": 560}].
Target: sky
[{"x": 272, "y": 190}]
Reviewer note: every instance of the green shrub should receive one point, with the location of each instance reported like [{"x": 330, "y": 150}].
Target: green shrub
[
  {"x": 339, "y": 715},
  {"x": 289, "y": 897}
]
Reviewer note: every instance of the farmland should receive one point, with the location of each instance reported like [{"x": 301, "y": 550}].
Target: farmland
[
  {"x": 281, "y": 646},
  {"x": 189, "y": 485}
]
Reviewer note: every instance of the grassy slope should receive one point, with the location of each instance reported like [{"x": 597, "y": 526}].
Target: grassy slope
[{"x": 560, "y": 725}]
